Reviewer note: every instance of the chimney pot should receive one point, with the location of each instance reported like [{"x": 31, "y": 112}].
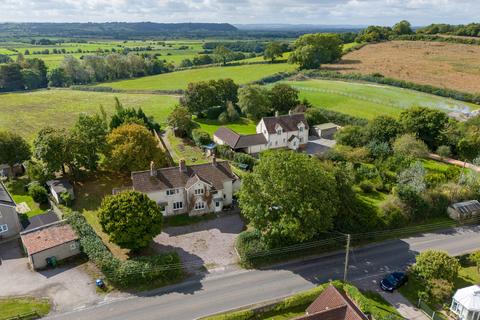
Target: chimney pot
[{"x": 183, "y": 166}]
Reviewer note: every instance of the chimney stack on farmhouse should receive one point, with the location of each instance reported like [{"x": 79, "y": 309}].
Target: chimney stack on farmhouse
[
  {"x": 276, "y": 114},
  {"x": 183, "y": 166},
  {"x": 153, "y": 172}
]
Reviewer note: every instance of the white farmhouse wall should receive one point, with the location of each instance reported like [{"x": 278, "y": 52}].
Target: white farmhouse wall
[{"x": 161, "y": 197}]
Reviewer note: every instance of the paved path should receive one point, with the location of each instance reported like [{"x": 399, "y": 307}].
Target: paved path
[
  {"x": 404, "y": 307},
  {"x": 454, "y": 162},
  {"x": 224, "y": 291}
]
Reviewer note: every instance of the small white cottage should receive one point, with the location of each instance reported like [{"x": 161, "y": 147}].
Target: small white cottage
[{"x": 466, "y": 303}]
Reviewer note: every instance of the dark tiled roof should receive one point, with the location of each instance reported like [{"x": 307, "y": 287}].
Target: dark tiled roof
[
  {"x": 250, "y": 140},
  {"x": 60, "y": 185},
  {"x": 333, "y": 305},
  {"x": 5, "y": 197},
  {"x": 287, "y": 122},
  {"x": 48, "y": 237},
  {"x": 228, "y": 136},
  {"x": 40, "y": 220},
  {"x": 235, "y": 140},
  {"x": 167, "y": 178}
]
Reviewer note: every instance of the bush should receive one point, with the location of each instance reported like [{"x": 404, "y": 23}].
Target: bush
[
  {"x": 66, "y": 198},
  {"x": 38, "y": 193},
  {"x": 224, "y": 152},
  {"x": 161, "y": 269},
  {"x": 214, "y": 112},
  {"x": 367, "y": 186},
  {"x": 200, "y": 137},
  {"x": 444, "y": 151},
  {"x": 245, "y": 159},
  {"x": 433, "y": 264}
]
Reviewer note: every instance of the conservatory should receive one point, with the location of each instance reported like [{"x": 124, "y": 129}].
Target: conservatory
[{"x": 466, "y": 303}]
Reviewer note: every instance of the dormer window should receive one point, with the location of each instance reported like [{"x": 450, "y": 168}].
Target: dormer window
[
  {"x": 279, "y": 131},
  {"x": 300, "y": 129},
  {"x": 199, "y": 191}
]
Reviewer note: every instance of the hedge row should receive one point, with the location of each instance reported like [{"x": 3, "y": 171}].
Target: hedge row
[
  {"x": 378, "y": 78},
  {"x": 429, "y": 37},
  {"x": 160, "y": 269},
  {"x": 274, "y": 77},
  {"x": 110, "y": 89}
]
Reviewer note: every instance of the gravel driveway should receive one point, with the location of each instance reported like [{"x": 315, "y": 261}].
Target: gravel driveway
[
  {"x": 68, "y": 287},
  {"x": 209, "y": 243}
]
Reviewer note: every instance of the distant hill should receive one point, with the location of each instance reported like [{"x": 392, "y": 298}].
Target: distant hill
[
  {"x": 300, "y": 27},
  {"x": 115, "y": 30}
]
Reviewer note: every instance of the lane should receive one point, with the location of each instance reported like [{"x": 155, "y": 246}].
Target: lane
[{"x": 217, "y": 293}]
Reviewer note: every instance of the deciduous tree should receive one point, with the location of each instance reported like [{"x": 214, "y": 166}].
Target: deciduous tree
[
  {"x": 272, "y": 51},
  {"x": 283, "y": 98},
  {"x": 130, "y": 219},
  {"x": 254, "y": 101},
  {"x": 283, "y": 205},
  {"x": 431, "y": 264},
  {"x": 14, "y": 148},
  {"x": 313, "y": 50}
]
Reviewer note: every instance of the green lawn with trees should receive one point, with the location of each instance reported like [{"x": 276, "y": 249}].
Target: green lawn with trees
[
  {"x": 25, "y": 113},
  {"x": 367, "y": 101},
  {"x": 179, "y": 80}
]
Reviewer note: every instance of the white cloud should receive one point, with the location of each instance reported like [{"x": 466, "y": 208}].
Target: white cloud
[{"x": 385, "y": 12}]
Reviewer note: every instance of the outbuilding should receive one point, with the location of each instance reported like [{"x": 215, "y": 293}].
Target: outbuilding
[
  {"x": 464, "y": 210},
  {"x": 326, "y": 130},
  {"x": 50, "y": 243},
  {"x": 59, "y": 186}
]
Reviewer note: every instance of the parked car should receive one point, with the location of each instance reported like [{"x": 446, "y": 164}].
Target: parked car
[{"x": 393, "y": 281}]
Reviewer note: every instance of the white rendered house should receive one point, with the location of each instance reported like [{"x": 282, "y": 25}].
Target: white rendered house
[{"x": 466, "y": 303}]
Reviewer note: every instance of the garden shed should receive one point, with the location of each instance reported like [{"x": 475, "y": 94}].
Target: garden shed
[
  {"x": 59, "y": 186},
  {"x": 50, "y": 243},
  {"x": 464, "y": 210}
]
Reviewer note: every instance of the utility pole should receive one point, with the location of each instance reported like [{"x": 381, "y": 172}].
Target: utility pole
[{"x": 345, "y": 272}]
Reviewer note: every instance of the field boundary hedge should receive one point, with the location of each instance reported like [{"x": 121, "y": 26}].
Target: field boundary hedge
[
  {"x": 435, "y": 38},
  {"x": 112, "y": 90},
  {"x": 380, "y": 79},
  {"x": 159, "y": 269}
]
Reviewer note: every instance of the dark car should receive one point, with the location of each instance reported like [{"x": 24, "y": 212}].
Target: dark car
[{"x": 393, "y": 281}]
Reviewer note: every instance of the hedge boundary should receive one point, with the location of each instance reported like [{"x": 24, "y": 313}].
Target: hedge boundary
[
  {"x": 380, "y": 79},
  {"x": 159, "y": 269}
]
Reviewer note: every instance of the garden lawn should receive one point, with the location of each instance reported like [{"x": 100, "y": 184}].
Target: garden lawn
[
  {"x": 26, "y": 113},
  {"x": 12, "y": 307},
  {"x": 368, "y": 101},
  {"x": 242, "y": 126},
  {"x": 180, "y": 79},
  {"x": 17, "y": 190},
  {"x": 185, "y": 149}
]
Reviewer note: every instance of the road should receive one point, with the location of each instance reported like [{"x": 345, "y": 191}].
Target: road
[{"x": 221, "y": 292}]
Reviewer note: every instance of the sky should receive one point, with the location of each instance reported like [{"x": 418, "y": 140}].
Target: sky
[{"x": 320, "y": 12}]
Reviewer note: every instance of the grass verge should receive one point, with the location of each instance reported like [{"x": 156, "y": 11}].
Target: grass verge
[{"x": 13, "y": 307}]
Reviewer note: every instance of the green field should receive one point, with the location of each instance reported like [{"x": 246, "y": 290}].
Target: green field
[
  {"x": 13, "y": 307},
  {"x": 28, "y": 112},
  {"x": 370, "y": 100},
  {"x": 179, "y": 80},
  {"x": 242, "y": 126}
]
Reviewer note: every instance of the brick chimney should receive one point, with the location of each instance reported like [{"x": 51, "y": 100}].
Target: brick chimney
[
  {"x": 182, "y": 166},
  {"x": 214, "y": 161},
  {"x": 153, "y": 172}
]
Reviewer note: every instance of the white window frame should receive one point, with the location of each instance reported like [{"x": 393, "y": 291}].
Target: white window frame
[
  {"x": 200, "y": 205},
  {"x": 171, "y": 192},
  {"x": 73, "y": 246},
  {"x": 300, "y": 129},
  {"x": 199, "y": 191},
  {"x": 279, "y": 132},
  {"x": 217, "y": 204},
  {"x": 3, "y": 228},
  {"x": 178, "y": 205}
]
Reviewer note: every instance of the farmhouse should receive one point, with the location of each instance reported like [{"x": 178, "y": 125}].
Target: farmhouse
[
  {"x": 195, "y": 189},
  {"x": 50, "y": 243},
  {"x": 286, "y": 131},
  {"x": 9, "y": 222}
]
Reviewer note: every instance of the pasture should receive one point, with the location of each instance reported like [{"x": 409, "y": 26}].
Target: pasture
[
  {"x": 440, "y": 64},
  {"x": 241, "y": 74},
  {"x": 370, "y": 100},
  {"x": 27, "y": 112}
]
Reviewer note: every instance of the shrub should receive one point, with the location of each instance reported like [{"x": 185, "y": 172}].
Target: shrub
[
  {"x": 245, "y": 159},
  {"x": 433, "y": 264},
  {"x": 444, "y": 151},
  {"x": 201, "y": 137},
  {"x": 66, "y": 198},
  {"x": 38, "y": 193},
  {"x": 164, "y": 268},
  {"x": 214, "y": 112},
  {"x": 367, "y": 186},
  {"x": 223, "y": 117},
  {"x": 224, "y": 152}
]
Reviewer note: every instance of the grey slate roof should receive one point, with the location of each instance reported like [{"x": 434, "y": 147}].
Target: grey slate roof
[
  {"x": 288, "y": 122},
  {"x": 5, "y": 197},
  {"x": 41, "y": 220},
  {"x": 235, "y": 140},
  {"x": 172, "y": 177},
  {"x": 467, "y": 207},
  {"x": 60, "y": 185}
]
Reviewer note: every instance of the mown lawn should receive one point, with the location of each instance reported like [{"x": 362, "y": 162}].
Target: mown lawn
[
  {"x": 12, "y": 307},
  {"x": 26, "y": 113},
  {"x": 16, "y": 188},
  {"x": 369, "y": 100},
  {"x": 242, "y": 126},
  {"x": 180, "y": 79},
  {"x": 185, "y": 149}
]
